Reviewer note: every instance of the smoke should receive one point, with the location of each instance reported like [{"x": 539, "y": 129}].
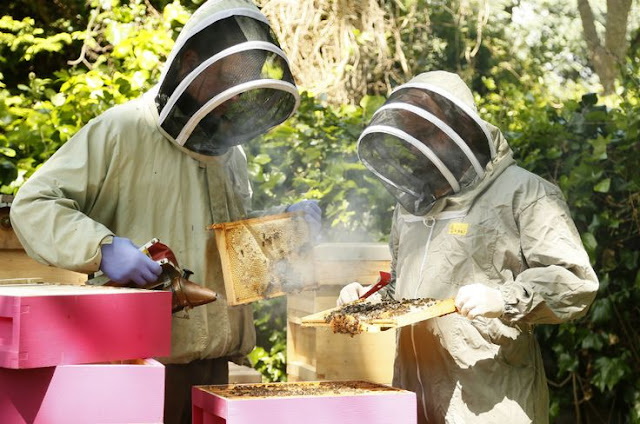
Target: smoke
[
  {"x": 292, "y": 276},
  {"x": 364, "y": 217},
  {"x": 288, "y": 252}
]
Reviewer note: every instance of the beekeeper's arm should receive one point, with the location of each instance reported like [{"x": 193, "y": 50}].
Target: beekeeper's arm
[
  {"x": 51, "y": 211},
  {"x": 559, "y": 283}
]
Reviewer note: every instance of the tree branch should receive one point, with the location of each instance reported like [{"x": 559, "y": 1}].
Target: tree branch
[
  {"x": 576, "y": 403},
  {"x": 83, "y": 51},
  {"x": 589, "y": 26},
  {"x": 602, "y": 59},
  {"x": 616, "y": 30}
]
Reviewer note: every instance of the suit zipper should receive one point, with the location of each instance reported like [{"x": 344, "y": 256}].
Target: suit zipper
[{"x": 429, "y": 223}]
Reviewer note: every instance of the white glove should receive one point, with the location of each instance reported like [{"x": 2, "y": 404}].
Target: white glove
[
  {"x": 353, "y": 291},
  {"x": 479, "y": 300}
]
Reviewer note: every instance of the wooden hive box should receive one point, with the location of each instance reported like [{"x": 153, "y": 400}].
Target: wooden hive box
[
  {"x": 44, "y": 325},
  {"x": 346, "y": 402},
  {"x": 264, "y": 257},
  {"x": 14, "y": 261},
  {"x": 123, "y": 393},
  {"x": 318, "y": 353}
]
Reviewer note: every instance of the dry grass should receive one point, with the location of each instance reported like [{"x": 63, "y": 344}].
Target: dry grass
[
  {"x": 336, "y": 47},
  {"x": 345, "y": 49}
]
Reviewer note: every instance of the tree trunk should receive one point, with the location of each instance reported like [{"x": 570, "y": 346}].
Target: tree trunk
[{"x": 608, "y": 55}]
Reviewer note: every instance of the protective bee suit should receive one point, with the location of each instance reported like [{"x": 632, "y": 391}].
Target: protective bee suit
[
  {"x": 168, "y": 165},
  {"x": 467, "y": 214}
]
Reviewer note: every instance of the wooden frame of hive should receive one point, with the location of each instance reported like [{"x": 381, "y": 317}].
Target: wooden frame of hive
[
  {"x": 373, "y": 404},
  {"x": 48, "y": 324},
  {"x": 106, "y": 393},
  {"x": 265, "y": 257},
  {"x": 317, "y": 353},
  {"x": 376, "y": 325}
]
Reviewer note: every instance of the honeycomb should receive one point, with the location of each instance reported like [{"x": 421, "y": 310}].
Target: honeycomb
[
  {"x": 372, "y": 317},
  {"x": 348, "y": 318},
  {"x": 265, "y": 257},
  {"x": 297, "y": 389}
]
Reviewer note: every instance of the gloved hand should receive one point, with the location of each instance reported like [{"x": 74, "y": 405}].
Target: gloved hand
[
  {"x": 313, "y": 215},
  {"x": 122, "y": 262},
  {"x": 479, "y": 300},
  {"x": 353, "y": 291}
]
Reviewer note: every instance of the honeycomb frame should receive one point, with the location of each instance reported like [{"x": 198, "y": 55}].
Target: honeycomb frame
[{"x": 265, "y": 257}]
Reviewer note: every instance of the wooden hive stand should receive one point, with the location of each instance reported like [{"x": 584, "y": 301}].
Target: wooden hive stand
[{"x": 318, "y": 353}]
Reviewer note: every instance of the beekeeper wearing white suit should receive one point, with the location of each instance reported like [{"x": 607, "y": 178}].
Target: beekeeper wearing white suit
[
  {"x": 168, "y": 165},
  {"x": 471, "y": 225}
]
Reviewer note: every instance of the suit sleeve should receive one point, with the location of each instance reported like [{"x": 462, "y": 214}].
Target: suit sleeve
[
  {"x": 559, "y": 283},
  {"x": 50, "y": 213}
]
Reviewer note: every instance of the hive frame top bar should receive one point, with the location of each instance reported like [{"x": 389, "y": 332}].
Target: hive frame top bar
[
  {"x": 375, "y": 325},
  {"x": 316, "y": 388},
  {"x": 258, "y": 220}
]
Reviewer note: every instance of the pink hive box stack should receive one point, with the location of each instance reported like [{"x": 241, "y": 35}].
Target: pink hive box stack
[
  {"x": 71, "y": 354},
  {"x": 344, "y": 402}
]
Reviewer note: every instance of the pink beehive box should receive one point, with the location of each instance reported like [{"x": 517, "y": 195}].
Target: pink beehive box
[
  {"x": 124, "y": 393},
  {"x": 43, "y": 325},
  {"x": 344, "y": 402}
]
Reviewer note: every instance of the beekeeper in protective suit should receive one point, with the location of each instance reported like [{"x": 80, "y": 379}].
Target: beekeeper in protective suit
[
  {"x": 471, "y": 225},
  {"x": 168, "y": 165}
]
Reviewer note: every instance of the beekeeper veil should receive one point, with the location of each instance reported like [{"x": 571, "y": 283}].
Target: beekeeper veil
[
  {"x": 426, "y": 141},
  {"x": 227, "y": 80}
]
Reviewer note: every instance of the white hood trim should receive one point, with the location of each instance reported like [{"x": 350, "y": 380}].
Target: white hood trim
[
  {"x": 184, "y": 84},
  {"x": 205, "y": 23},
  {"x": 468, "y": 110},
  {"x": 229, "y": 94},
  {"x": 442, "y": 126},
  {"x": 446, "y": 173}
]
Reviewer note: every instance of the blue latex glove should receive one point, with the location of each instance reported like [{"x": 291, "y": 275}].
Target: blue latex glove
[
  {"x": 122, "y": 262},
  {"x": 313, "y": 215}
]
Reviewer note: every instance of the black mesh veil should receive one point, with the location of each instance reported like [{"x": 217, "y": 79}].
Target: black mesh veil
[
  {"x": 423, "y": 146},
  {"x": 228, "y": 83}
]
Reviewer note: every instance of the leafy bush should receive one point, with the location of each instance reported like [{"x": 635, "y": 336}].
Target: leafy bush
[
  {"x": 43, "y": 112},
  {"x": 270, "y": 355},
  {"x": 313, "y": 155}
]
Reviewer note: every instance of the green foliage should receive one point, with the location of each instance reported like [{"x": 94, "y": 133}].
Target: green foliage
[
  {"x": 270, "y": 354},
  {"x": 41, "y": 113},
  {"x": 535, "y": 45},
  {"x": 313, "y": 155},
  {"x": 22, "y": 38}
]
